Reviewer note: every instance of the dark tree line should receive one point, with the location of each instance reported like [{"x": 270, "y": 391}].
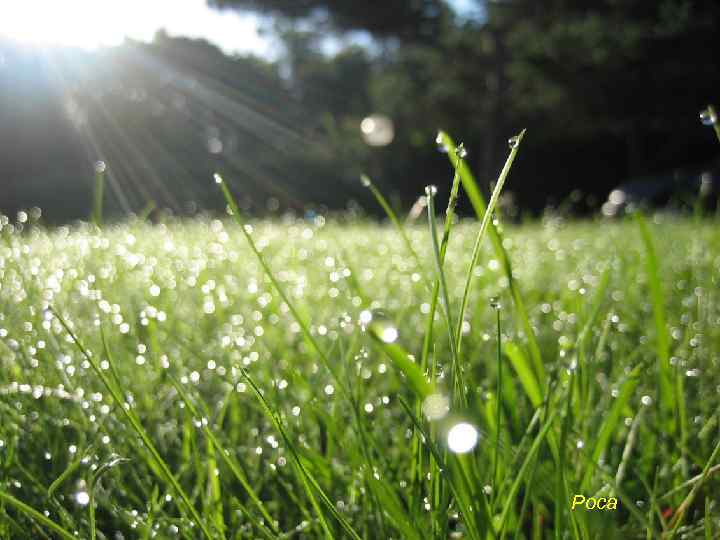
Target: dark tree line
[{"x": 608, "y": 90}]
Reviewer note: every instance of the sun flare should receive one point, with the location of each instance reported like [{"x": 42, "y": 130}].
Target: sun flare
[
  {"x": 78, "y": 23},
  {"x": 90, "y": 24}
]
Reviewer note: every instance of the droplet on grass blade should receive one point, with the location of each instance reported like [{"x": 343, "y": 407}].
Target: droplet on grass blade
[
  {"x": 365, "y": 181},
  {"x": 461, "y": 151},
  {"x": 513, "y": 141},
  {"x": 708, "y": 117},
  {"x": 218, "y": 178},
  {"x": 380, "y": 325},
  {"x": 462, "y": 438},
  {"x": 100, "y": 167},
  {"x": 431, "y": 190},
  {"x": 495, "y": 303},
  {"x": 440, "y": 144}
]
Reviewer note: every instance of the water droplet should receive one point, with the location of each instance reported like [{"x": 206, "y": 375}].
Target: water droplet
[
  {"x": 100, "y": 167},
  {"x": 218, "y": 178},
  {"x": 389, "y": 334},
  {"x": 440, "y": 144},
  {"x": 369, "y": 408},
  {"x": 580, "y": 444},
  {"x": 435, "y": 406},
  {"x": 646, "y": 400},
  {"x": 708, "y": 117},
  {"x": 329, "y": 389},
  {"x": 462, "y": 438},
  {"x": 513, "y": 141},
  {"x": 365, "y": 318},
  {"x": 365, "y": 181},
  {"x": 495, "y": 303},
  {"x": 82, "y": 498},
  {"x": 431, "y": 190},
  {"x": 461, "y": 151},
  {"x": 380, "y": 325}
]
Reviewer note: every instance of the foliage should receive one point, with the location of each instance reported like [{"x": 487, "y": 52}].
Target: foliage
[{"x": 193, "y": 365}]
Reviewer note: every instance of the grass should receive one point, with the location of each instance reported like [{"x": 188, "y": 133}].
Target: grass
[{"x": 301, "y": 379}]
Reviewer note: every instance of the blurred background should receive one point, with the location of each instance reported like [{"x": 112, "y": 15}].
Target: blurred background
[{"x": 293, "y": 99}]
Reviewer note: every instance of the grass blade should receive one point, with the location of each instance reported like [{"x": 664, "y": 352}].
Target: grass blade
[
  {"x": 481, "y": 233},
  {"x": 37, "y": 516},
  {"x": 478, "y": 203},
  {"x": 165, "y": 473}
]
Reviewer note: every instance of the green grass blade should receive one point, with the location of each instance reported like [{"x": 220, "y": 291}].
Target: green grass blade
[
  {"x": 367, "y": 182},
  {"x": 525, "y": 373},
  {"x": 520, "y": 475},
  {"x": 166, "y": 475},
  {"x": 667, "y": 397},
  {"x": 481, "y": 233},
  {"x": 37, "y": 516},
  {"x": 225, "y": 455},
  {"x": 404, "y": 364},
  {"x": 681, "y": 511},
  {"x": 457, "y": 383},
  {"x": 478, "y": 203},
  {"x": 309, "y": 480},
  {"x": 611, "y": 421}
]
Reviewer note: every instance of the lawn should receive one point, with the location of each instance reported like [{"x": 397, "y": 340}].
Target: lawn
[{"x": 155, "y": 384}]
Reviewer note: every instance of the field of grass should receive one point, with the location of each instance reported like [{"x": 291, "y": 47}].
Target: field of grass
[
  {"x": 313, "y": 378},
  {"x": 154, "y": 384}
]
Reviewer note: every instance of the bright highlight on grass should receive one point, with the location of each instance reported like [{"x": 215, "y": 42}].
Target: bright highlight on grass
[{"x": 462, "y": 438}]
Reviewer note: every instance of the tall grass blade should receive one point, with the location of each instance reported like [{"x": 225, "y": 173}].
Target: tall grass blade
[
  {"x": 37, "y": 516},
  {"x": 481, "y": 234},
  {"x": 457, "y": 382},
  {"x": 308, "y": 480},
  {"x": 478, "y": 203},
  {"x": 165, "y": 473},
  {"x": 667, "y": 395}
]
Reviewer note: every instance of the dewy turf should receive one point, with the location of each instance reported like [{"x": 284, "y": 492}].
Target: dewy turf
[{"x": 315, "y": 379}]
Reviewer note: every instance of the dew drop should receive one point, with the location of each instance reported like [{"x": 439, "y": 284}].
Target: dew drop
[
  {"x": 218, "y": 178},
  {"x": 100, "y": 167},
  {"x": 82, "y": 498},
  {"x": 461, "y": 151},
  {"x": 365, "y": 180},
  {"x": 513, "y": 141},
  {"x": 495, "y": 303},
  {"x": 365, "y": 318},
  {"x": 389, "y": 334},
  {"x": 380, "y": 325},
  {"x": 440, "y": 144},
  {"x": 708, "y": 117},
  {"x": 462, "y": 438},
  {"x": 431, "y": 190}
]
